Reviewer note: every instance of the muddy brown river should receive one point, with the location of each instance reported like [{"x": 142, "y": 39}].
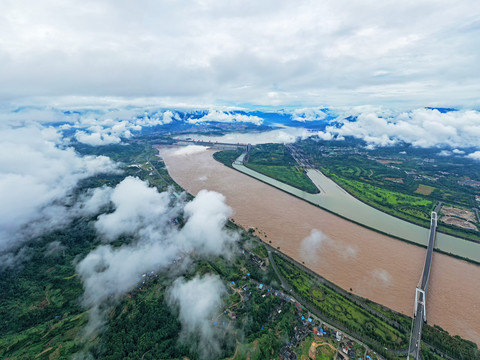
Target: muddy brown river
[{"x": 373, "y": 265}]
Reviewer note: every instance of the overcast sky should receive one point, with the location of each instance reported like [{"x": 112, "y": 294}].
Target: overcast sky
[{"x": 281, "y": 53}]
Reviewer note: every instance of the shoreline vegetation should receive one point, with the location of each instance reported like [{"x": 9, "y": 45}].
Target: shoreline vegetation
[
  {"x": 389, "y": 328},
  {"x": 442, "y": 228},
  {"x": 404, "y": 182},
  {"x": 288, "y": 173},
  {"x": 227, "y": 157}
]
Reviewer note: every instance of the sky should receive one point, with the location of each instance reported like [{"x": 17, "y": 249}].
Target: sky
[{"x": 278, "y": 53}]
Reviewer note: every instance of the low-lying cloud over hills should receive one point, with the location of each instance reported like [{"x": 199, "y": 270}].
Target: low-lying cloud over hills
[
  {"x": 37, "y": 177},
  {"x": 423, "y": 127},
  {"x": 158, "y": 245}
]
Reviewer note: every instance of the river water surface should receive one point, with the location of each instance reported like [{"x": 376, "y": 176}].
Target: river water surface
[{"x": 373, "y": 265}]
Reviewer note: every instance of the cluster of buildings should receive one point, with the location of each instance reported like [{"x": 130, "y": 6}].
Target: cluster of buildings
[
  {"x": 469, "y": 182},
  {"x": 145, "y": 278},
  {"x": 348, "y": 349},
  {"x": 258, "y": 261},
  {"x": 310, "y": 326}
]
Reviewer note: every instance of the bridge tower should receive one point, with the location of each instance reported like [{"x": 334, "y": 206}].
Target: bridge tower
[{"x": 420, "y": 300}]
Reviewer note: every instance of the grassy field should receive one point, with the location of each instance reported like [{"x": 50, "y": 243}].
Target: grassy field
[
  {"x": 424, "y": 189},
  {"x": 413, "y": 208},
  {"x": 394, "y": 178},
  {"x": 50, "y": 340},
  {"x": 287, "y": 174}
]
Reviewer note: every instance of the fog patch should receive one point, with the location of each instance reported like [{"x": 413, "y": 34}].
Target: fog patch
[
  {"x": 93, "y": 200},
  {"x": 318, "y": 242},
  {"x": 312, "y": 245},
  {"x": 199, "y": 303},
  {"x": 280, "y": 136},
  {"x": 348, "y": 251},
  {"x": 382, "y": 277},
  {"x": 189, "y": 150},
  {"x": 54, "y": 248}
]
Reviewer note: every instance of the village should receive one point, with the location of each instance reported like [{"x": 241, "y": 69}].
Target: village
[{"x": 312, "y": 338}]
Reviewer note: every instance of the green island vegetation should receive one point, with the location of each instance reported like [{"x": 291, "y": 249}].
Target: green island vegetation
[
  {"x": 275, "y": 160},
  {"x": 41, "y": 315},
  {"x": 404, "y": 181},
  {"x": 227, "y": 157}
]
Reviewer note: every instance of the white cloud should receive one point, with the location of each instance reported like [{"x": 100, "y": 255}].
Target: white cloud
[
  {"x": 189, "y": 150},
  {"x": 199, "y": 302},
  {"x": 133, "y": 213},
  {"x": 206, "y": 214},
  {"x": 270, "y": 52},
  {"x": 110, "y": 126},
  {"x": 325, "y": 135},
  {"x": 421, "y": 127},
  {"x": 220, "y": 116},
  {"x": 312, "y": 245},
  {"x": 475, "y": 155},
  {"x": 37, "y": 176},
  {"x": 96, "y": 139},
  {"x": 140, "y": 211},
  {"x": 308, "y": 114}
]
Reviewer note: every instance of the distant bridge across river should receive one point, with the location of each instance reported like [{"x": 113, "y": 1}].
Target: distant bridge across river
[{"x": 212, "y": 144}]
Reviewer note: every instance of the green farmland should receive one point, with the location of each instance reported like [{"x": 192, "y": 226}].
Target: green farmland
[{"x": 275, "y": 161}]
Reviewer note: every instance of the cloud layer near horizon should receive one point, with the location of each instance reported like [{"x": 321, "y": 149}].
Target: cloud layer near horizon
[
  {"x": 269, "y": 53},
  {"x": 420, "y": 127}
]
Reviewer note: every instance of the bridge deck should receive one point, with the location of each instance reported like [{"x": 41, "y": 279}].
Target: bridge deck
[{"x": 421, "y": 293}]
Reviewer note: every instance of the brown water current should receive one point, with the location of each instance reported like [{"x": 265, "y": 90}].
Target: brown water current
[{"x": 373, "y": 265}]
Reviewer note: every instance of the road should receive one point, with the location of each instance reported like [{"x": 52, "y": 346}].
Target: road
[
  {"x": 215, "y": 145},
  {"x": 312, "y": 309}
]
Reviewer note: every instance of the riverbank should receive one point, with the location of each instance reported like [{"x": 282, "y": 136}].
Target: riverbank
[
  {"x": 371, "y": 265},
  {"x": 336, "y": 200}
]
